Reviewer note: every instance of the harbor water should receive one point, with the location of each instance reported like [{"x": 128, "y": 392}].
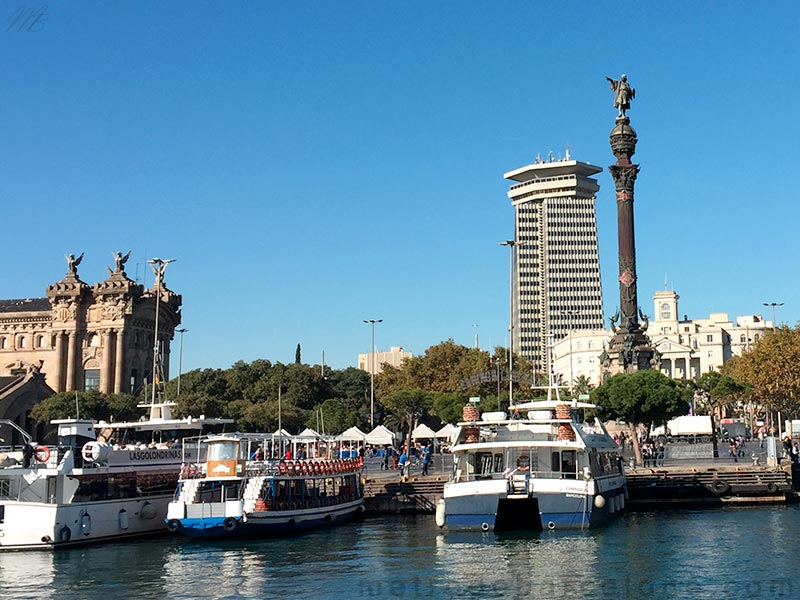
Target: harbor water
[{"x": 725, "y": 553}]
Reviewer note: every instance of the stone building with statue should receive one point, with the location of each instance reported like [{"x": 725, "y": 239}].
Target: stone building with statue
[{"x": 85, "y": 337}]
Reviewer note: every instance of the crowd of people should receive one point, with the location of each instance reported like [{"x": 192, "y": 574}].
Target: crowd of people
[{"x": 403, "y": 460}]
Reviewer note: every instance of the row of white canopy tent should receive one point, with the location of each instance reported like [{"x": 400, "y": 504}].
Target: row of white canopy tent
[{"x": 381, "y": 436}]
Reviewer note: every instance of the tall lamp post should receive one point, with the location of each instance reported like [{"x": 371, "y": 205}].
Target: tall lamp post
[
  {"x": 773, "y": 305},
  {"x": 159, "y": 266},
  {"x": 180, "y": 360},
  {"x": 511, "y": 245},
  {"x": 372, "y": 322}
]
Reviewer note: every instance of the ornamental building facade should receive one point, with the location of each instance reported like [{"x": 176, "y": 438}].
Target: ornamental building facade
[{"x": 82, "y": 337}]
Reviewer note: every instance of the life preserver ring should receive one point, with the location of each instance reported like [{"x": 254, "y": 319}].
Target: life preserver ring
[
  {"x": 42, "y": 454},
  {"x": 720, "y": 487},
  {"x": 523, "y": 462},
  {"x": 173, "y": 525},
  {"x": 772, "y": 487},
  {"x": 229, "y": 524}
]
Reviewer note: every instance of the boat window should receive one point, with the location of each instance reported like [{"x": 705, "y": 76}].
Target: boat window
[
  {"x": 484, "y": 462},
  {"x": 222, "y": 451},
  {"x": 555, "y": 463},
  {"x": 569, "y": 463},
  {"x": 498, "y": 463}
]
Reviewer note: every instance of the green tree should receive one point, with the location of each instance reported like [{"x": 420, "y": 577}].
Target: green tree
[
  {"x": 640, "y": 398},
  {"x": 297, "y": 358},
  {"x": 87, "y": 405},
  {"x": 410, "y": 405},
  {"x": 771, "y": 369},
  {"x": 582, "y": 385}
]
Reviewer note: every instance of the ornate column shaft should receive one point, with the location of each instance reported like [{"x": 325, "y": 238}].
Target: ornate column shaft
[
  {"x": 119, "y": 360},
  {"x": 106, "y": 371},
  {"x": 58, "y": 376},
  {"x": 72, "y": 353}
]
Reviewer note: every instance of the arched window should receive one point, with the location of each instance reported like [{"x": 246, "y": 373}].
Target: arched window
[
  {"x": 3, "y": 343},
  {"x": 22, "y": 342},
  {"x": 743, "y": 339},
  {"x": 40, "y": 341}
]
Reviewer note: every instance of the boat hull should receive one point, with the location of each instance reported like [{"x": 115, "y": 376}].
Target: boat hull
[
  {"x": 42, "y": 526},
  {"x": 489, "y": 507},
  {"x": 266, "y": 524}
]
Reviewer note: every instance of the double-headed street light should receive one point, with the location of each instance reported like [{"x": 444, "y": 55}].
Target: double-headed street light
[
  {"x": 372, "y": 322},
  {"x": 773, "y": 305},
  {"x": 511, "y": 244}
]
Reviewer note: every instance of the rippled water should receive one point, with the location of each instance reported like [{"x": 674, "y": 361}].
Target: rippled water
[{"x": 731, "y": 553}]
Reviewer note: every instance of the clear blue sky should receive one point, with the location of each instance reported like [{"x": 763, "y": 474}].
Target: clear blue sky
[{"x": 311, "y": 165}]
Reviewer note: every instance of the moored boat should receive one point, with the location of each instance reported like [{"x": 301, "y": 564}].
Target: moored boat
[
  {"x": 547, "y": 470},
  {"x": 86, "y": 489},
  {"x": 542, "y": 465},
  {"x": 227, "y": 489}
]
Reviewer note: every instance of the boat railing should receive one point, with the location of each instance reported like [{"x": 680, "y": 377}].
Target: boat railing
[
  {"x": 507, "y": 475},
  {"x": 283, "y": 467}
]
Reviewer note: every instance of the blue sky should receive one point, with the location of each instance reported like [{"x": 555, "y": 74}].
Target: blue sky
[{"x": 311, "y": 165}]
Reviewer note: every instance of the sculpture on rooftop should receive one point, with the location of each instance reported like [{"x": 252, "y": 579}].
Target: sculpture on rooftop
[
  {"x": 120, "y": 261},
  {"x": 623, "y": 93},
  {"x": 72, "y": 263}
]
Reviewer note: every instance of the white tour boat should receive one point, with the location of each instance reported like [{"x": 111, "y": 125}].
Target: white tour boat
[
  {"x": 84, "y": 489},
  {"x": 542, "y": 466},
  {"x": 227, "y": 489}
]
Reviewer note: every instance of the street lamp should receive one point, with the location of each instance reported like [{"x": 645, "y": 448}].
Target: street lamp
[
  {"x": 511, "y": 245},
  {"x": 773, "y": 305},
  {"x": 180, "y": 360},
  {"x": 372, "y": 322},
  {"x": 159, "y": 266},
  {"x": 475, "y": 327}
]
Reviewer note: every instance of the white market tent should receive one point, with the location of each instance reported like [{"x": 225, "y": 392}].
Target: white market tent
[
  {"x": 423, "y": 432},
  {"x": 354, "y": 434},
  {"x": 308, "y": 433},
  {"x": 446, "y": 432},
  {"x": 380, "y": 436},
  {"x": 282, "y": 433}
]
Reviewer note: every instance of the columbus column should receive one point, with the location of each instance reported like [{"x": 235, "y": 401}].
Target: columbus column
[{"x": 629, "y": 349}]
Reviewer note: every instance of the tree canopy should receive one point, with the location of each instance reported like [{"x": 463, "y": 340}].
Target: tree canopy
[{"x": 771, "y": 370}]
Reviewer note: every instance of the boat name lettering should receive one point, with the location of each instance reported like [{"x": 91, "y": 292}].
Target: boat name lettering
[
  {"x": 570, "y": 495},
  {"x": 153, "y": 454}
]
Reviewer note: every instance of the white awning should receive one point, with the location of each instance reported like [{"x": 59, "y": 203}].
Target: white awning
[{"x": 380, "y": 436}]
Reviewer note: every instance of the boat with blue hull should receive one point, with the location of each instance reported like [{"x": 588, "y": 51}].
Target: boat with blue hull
[
  {"x": 541, "y": 465},
  {"x": 548, "y": 470},
  {"x": 235, "y": 493}
]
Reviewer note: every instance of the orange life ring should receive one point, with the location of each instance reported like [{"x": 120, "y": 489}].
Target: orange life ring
[{"x": 42, "y": 453}]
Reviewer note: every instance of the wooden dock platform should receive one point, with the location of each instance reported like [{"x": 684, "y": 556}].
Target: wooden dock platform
[
  {"x": 648, "y": 488},
  {"x": 660, "y": 487}
]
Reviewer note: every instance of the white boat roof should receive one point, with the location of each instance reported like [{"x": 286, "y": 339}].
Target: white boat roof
[{"x": 550, "y": 404}]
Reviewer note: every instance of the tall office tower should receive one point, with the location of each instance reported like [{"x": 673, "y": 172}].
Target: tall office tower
[{"x": 555, "y": 265}]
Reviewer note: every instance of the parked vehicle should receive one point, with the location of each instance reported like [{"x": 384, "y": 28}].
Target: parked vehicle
[{"x": 688, "y": 428}]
